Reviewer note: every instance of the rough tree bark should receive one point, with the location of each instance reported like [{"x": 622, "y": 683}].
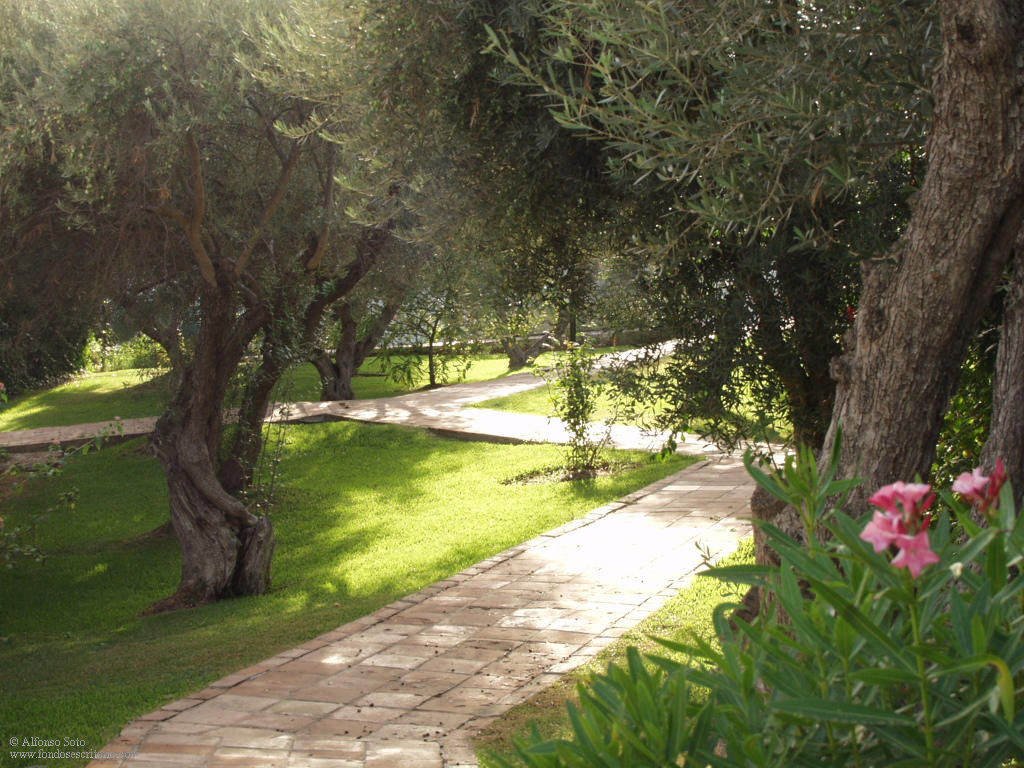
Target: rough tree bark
[
  {"x": 1006, "y": 434},
  {"x": 522, "y": 351},
  {"x": 225, "y": 549},
  {"x": 918, "y": 313},
  {"x": 236, "y": 471}
]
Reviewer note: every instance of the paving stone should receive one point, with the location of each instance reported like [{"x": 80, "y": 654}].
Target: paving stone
[
  {"x": 351, "y": 747},
  {"x": 391, "y": 699},
  {"x": 286, "y": 723},
  {"x": 396, "y": 660},
  {"x": 336, "y": 694},
  {"x": 255, "y": 738},
  {"x": 244, "y": 758},
  {"x": 177, "y": 747},
  {"x": 367, "y": 714},
  {"x": 445, "y": 721},
  {"x": 164, "y": 739},
  {"x": 206, "y": 714},
  {"x": 425, "y": 683},
  {"x": 316, "y": 761},
  {"x": 408, "y": 685},
  {"x": 314, "y": 709},
  {"x": 403, "y": 754},
  {"x": 452, "y": 665},
  {"x": 176, "y": 726},
  {"x": 330, "y": 727},
  {"x": 245, "y": 703}
]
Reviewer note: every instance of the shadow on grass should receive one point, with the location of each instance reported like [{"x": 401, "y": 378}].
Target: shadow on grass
[{"x": 366, "y": 515}]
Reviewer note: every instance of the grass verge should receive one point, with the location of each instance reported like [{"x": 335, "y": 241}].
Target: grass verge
[
  {"x": 366, "y": 514},
  {"x": 690, "y": 612}
]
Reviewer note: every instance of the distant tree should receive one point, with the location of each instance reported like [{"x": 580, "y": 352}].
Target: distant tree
[
  {"x": 360, "y": 321},
  {"x": 436, "y": 328},
  {"x": 46, "y": 309}
]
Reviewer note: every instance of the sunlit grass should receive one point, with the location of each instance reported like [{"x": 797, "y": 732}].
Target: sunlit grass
[
  {"x": 88, "y": 398},
  {"x": 367, "y": 514},
  {"x": 622, "y": 411}
]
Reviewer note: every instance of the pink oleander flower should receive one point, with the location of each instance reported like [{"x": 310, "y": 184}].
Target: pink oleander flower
[
  {"x": 907, "y": 501},
  {"x": 915, "y": 553},
  {"x": 3, "y": 387},
  {"x": 901, "y": 521},
  {"x": 882, "y": 531},
  {"x": 980, "y": 489}
]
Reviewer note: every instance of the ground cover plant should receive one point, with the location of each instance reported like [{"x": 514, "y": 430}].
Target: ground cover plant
[
  {"x": 366, "y": 514},
  {"x": 690, "y": 612}
]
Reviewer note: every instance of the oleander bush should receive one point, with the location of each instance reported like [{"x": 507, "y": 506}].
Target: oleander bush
[{"x": 894, "y": 641}]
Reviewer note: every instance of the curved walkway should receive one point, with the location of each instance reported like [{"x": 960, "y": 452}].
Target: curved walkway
[{"x": 407, "y": 686}]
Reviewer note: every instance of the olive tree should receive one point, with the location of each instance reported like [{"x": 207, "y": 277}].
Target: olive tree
[
  {"x": 777, "y": 144},
  {"x": 172, "y": 151}
]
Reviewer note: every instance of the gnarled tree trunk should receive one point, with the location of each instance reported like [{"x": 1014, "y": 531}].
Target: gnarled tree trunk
[
  {"x": 281, "y": 344},
  {"x": 917, "y": 315},
  {"x": 226, "y": 550},
  {"x": 236, "y": 472}
]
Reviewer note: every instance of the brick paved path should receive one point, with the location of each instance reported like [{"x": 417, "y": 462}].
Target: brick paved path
[{"x": 406, "y": 687}]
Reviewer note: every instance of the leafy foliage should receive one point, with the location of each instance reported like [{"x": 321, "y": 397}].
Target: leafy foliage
[
  {"x": 856, "y": 663},
  {"x": 761, "y": 199},
  {"x": 575, "y": 397}
]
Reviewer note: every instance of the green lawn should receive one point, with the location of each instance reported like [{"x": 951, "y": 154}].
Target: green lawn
[
  {"x": 138, "y": 392},
  {"x": 535, "y": 401},
  {"x": 367, "y": 513},
  {"x": 538, "y": 401},
  {"x": 88, "y": 398},
  {"x": 689, "y": 612}
]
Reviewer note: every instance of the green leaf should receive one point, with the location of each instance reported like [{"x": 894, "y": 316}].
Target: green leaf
[
  {"x": 1004, "y": 679},
  {"x": 767, "y": 482},
  {"x": 841, "y": 712},
  {"x": 859, "y": 621},
  {"x": 884, "y": 676},
  {"x": 755, "y": 575}
]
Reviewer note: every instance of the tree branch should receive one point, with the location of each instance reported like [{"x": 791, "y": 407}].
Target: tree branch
[
  {"x": 269, "y": 209},
  {"x": 192, "y": 225},
  {"x": 325, "y": 231}
]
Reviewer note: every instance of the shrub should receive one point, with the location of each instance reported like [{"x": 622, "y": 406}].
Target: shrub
[
  {"x": 861, "y": 660},
  {"x": 575, "y": 397},
  {"x": 137, "y": 352}
]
